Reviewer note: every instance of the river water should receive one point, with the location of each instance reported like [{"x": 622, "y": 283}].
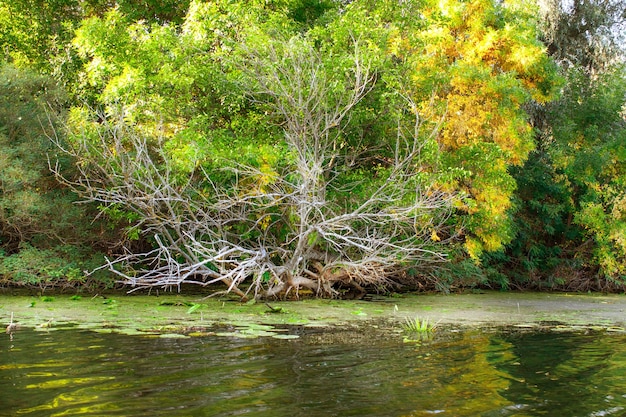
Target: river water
[{"x": 346, "y": 372}]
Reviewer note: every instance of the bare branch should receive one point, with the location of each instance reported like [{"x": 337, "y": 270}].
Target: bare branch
[{"x": 289, "y": 235}]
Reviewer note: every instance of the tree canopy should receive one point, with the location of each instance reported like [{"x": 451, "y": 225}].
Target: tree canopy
[
  {"x": 569, "y": 220},
  {"x": 284, "y": 145}
]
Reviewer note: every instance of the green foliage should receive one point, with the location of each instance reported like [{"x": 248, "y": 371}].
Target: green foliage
[
  {"x": 418, "y": 329},
  {"x": 545, "y": 235},
  {"x": 469, "y": 67},
  {"x": 471, "y": 72},
  {"x": 45, "y": 236},
  {"x": 193, "y": 308},
  {"x": 28, "y": 189},
  {"x": 452, "y": 77},
  {"x": 590, "y": 133},
  {"x": 163, "y": 12},
  {"x": 32, "y": 31},
  {"x": 570, "y": 198},
  {"x": 585, "y": 35},
  {"x": 308, "y": 12},
  {"x": 418, "y": 325},
  {"x": 461, "y": 273},
  {"x": 50, "y": 268},
  {"x": 38, "y": 34}
]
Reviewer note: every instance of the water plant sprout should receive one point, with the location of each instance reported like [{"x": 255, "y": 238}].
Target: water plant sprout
[{"x": 418, "y": 325}]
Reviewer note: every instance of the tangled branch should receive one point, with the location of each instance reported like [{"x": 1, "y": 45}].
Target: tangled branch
[{"x": 291, "y": 235}]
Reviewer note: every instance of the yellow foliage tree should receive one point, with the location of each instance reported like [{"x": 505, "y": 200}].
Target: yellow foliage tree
[{"x": 475, "y": 64}]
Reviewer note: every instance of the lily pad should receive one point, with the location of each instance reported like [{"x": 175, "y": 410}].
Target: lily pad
[
  {"x": 201, "y": 334},
  {"x": 134, "y": 332},
  {"x": 253, "y": 326},
  {"x": 237, "y": 334},
  {"x": 285, "y": 336},
  {"x": 173, "y": 336}
]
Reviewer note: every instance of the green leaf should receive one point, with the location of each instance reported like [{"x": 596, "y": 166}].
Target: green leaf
[{"x": 193, "y": 308}]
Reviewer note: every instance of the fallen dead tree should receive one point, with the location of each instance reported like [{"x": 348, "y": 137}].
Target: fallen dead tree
[{"x": 305, "y": 227}]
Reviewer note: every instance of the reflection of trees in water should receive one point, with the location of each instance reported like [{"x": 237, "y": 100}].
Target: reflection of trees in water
[
  {"x": 351, "y": 375},
  {"x": 349, "y": 371},
  {"x": 573, "y": 373}
]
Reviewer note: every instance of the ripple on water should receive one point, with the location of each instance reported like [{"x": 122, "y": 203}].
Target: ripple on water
[{"x": 78, "y": 372}]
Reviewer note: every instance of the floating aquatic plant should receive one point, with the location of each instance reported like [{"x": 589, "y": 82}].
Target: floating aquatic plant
[{"x": 193, "y": 308}]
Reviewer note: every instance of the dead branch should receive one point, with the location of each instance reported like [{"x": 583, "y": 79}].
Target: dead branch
[{"x": 291, "y": 235}]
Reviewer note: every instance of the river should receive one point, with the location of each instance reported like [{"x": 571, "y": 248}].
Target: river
[{"x": 324, "y": 372}]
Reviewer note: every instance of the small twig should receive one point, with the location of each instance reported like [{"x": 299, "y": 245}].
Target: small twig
[
  {"x": 12, "y": 326},
  {"x": 274, "y": 309}
]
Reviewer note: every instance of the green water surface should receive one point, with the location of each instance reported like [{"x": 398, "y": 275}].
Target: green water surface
[{"x": 323, "y": 372}]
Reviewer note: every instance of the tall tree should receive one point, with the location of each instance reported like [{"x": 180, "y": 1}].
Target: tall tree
[
  {"x": 476, "y": 64},
  {"x": 584, "y": 34},
  {"x": 46, "y": 239},
  {"x": 248, "y": 143},
  {"x": 571, "y": 190}
]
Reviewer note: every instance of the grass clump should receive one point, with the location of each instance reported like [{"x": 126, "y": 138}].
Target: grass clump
[
  {"x": 418, "y": 330},
  {"x": 418, "y": 325}
]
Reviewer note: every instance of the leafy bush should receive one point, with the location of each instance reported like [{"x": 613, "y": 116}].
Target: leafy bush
[
  {"x": 41, "y": 225},
  {"x": 60, "y": 267}
]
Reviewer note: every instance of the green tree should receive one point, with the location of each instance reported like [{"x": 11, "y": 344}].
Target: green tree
[
  {"x": 45, "y": 238},
  {"x": 569, "y": 221},
  {"x": 584, "y": 34},
  {"x": 590, "y": 150},
  {"x": 245, "y": 162},
  {"x": 38, "y": 34},
  {"x": 474, "y": 65}
]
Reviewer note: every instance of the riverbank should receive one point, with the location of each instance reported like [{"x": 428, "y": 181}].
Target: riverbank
[{"x": 188, "y": 314}]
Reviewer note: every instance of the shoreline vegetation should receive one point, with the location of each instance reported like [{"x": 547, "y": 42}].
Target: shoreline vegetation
[
  {"x": 283, "y": 149},
  {"x": 197, "y": 316},
  {"x": 428, "y": 286}
]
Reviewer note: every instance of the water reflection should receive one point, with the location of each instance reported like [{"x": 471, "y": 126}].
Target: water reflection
[
  {"x": 578, "y": 375},
  {"x": 321, "y": 374}
]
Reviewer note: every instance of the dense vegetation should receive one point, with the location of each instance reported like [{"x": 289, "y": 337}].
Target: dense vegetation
[{"x": 289, "y": 146}]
